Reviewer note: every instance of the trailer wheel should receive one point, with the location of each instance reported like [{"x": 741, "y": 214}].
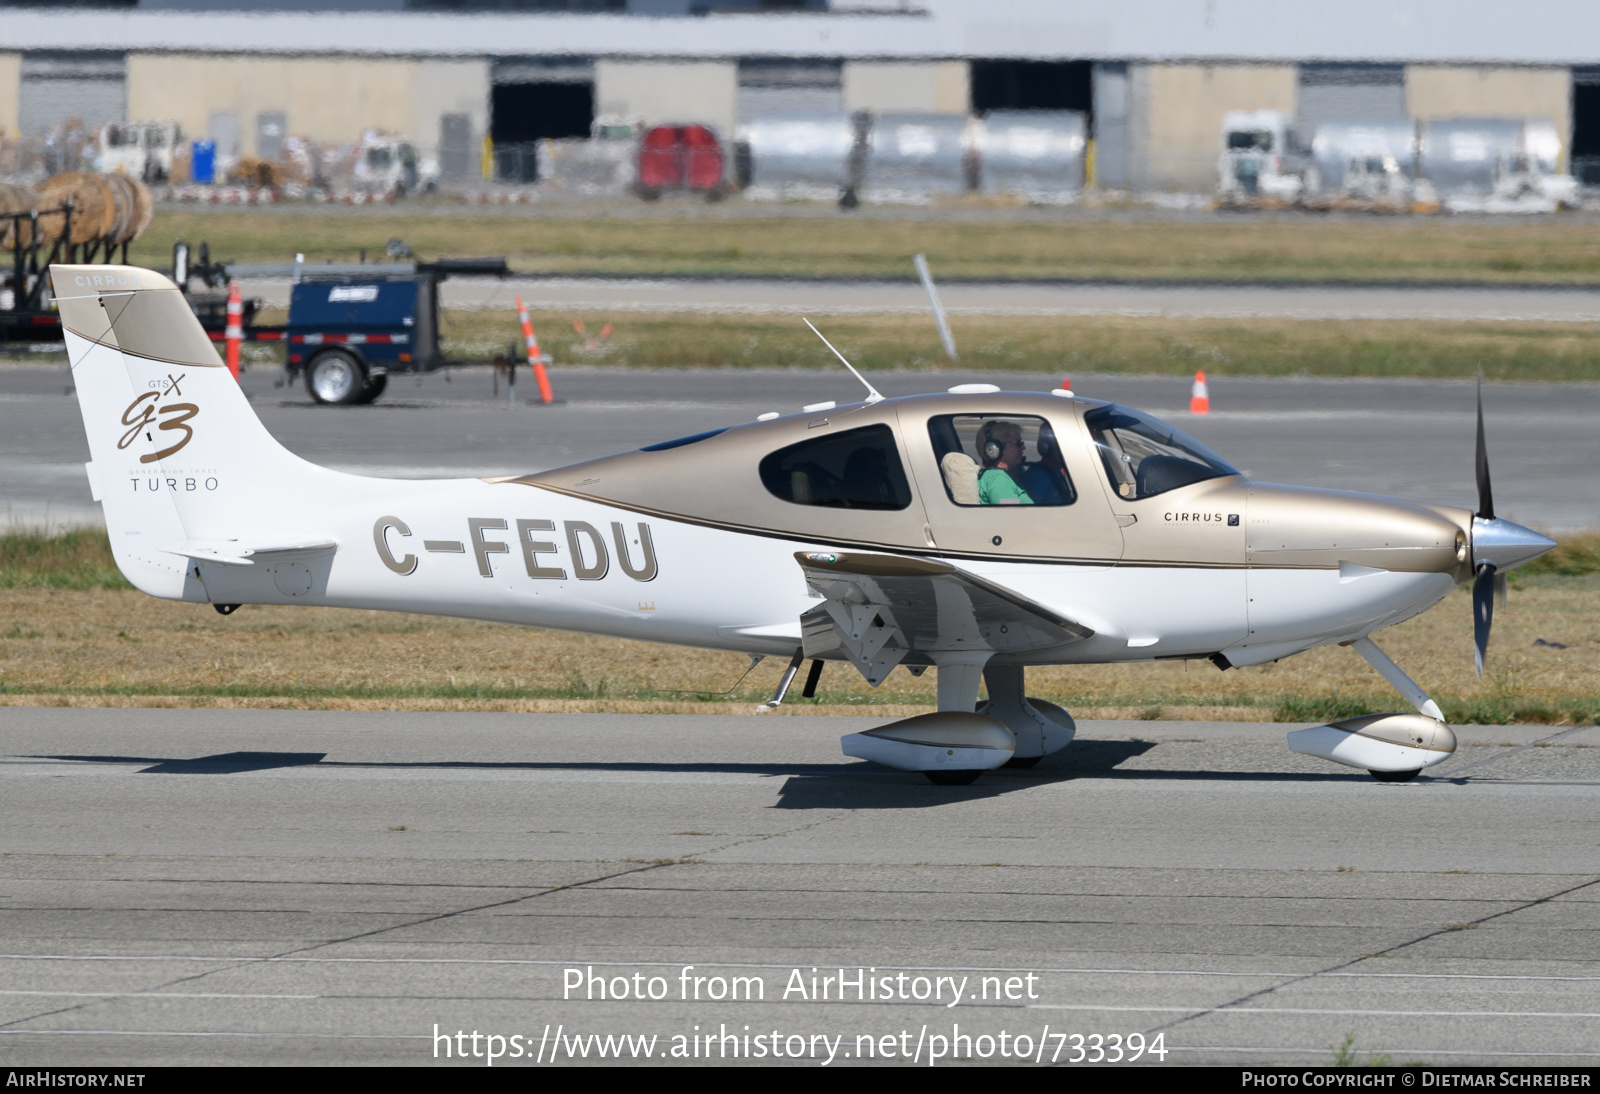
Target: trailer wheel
[
  {"x": 335, "y": 377},
  {"x": 374, "y": 388}
]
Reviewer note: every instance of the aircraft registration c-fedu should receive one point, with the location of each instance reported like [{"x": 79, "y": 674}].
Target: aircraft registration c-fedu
[{"x": 976, "y": 532}]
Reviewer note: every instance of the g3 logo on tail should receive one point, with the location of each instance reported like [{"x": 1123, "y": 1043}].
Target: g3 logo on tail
[{"x": 143, "y": 411}]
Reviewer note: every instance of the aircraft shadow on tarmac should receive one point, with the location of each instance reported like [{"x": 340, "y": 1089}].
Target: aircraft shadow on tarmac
[
  {"x": 846, "y": 785},
  {"x": 226, "y": 763}
]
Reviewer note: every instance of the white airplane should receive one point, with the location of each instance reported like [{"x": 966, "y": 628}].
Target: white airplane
[{"x": 909, "y": 532}]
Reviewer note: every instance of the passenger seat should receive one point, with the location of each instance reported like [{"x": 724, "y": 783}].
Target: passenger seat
[{"x": 960, "y": 477}]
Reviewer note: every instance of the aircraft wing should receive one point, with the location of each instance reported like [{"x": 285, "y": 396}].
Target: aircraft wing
[{"x": 879, "y": 609}]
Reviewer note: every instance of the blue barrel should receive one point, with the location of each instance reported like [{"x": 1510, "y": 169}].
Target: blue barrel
[{"x": 203, "y": 162}]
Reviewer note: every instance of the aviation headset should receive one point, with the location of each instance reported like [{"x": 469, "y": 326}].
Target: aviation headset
[{"x": 991, "y": 447}]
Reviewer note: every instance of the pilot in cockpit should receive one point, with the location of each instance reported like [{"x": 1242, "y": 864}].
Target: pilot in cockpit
[{"x": 1000, "y": 444}]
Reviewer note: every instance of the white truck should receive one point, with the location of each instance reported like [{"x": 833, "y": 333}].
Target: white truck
[
  {"x": 1259, "y": 164},
  {"x": 145, "y": 150}
]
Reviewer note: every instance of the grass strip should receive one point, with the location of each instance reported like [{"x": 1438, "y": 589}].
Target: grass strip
[
  {"x": 1575, "y": 555},
  {"x": 1053, "y": 346},
  {"x": 72, "y": 633},
  {"x": 1057, "y": 345},
  {"x": 739, "y": 241},
  {"x": 76, "y": 559}
]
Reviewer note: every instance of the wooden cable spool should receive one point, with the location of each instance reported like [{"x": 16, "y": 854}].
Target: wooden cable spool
[
  {"x": 16, "y": 198},
  {"x": 145, "y": 209},
  {"x": 125, "y": 208},
  {"x": 94, "y": 211},
  {"x": 113, "y": 209}
]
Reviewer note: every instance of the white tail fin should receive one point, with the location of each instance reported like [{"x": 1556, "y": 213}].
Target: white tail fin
[{"x": 181, "y": 463}]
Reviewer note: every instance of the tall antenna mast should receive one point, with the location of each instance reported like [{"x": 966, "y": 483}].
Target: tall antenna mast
[{"x": 873, "y": 395}]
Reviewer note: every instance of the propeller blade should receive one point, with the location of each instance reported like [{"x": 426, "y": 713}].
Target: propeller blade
[
  {"x": 1482, "y": 613},
  {"x": 1500, "y": 589},
  {"x": 1485, "y": 493}
]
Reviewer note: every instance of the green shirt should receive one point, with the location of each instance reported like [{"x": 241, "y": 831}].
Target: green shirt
[{"x": 997, "y": 487}]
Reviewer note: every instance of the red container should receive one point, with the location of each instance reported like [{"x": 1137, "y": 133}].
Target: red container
[
  {"x": 679, "y": 157},
  {"x": 660, "y": 166}
]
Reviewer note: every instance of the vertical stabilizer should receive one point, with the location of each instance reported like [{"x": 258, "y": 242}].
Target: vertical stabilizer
[{"x": 178, "y": 454}]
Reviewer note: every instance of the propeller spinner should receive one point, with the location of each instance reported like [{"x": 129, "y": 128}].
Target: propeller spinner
[{"x": 1497, "y": 545}]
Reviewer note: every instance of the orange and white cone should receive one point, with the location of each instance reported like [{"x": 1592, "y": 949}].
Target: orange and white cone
[
  {"x": 233, "y": 334},
  {"x": 535, "y": 357},
  {"x": 1199, "y": 398}
]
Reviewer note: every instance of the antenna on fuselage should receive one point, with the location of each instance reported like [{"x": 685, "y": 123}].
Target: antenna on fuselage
[{"x": 873, "y": 394}]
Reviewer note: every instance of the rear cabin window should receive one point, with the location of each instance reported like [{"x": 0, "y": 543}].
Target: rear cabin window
[
  {"x": 856, "y": 469},
  {"x": 1000, "y": 459}
]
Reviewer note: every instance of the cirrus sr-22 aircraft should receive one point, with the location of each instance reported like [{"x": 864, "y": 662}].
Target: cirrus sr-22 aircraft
[{"x": 976, "y": 532}]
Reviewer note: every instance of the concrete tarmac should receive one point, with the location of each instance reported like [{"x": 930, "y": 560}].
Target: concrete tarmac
[
  {"x": 1408, "y": 438},
  {"x": 185, "y": 886}
]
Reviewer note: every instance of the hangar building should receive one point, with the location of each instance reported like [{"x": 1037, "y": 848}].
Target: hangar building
[{"x": 1153, "y": 76}]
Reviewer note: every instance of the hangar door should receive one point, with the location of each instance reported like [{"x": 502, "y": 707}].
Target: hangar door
[
  {"x": 769, "y": 88},
  {"x": 533, "y": 100},
  {"x": 1098, "y": 91},
  {"x": 62, "y": 87},
  {"x": 1586, "y": 125},
  {"x": 1032, "y": 85},
  {"x": 1351, "y": 93}
]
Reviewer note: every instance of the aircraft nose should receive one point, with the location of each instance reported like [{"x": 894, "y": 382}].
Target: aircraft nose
[
  {"x": 1304, "y": 526},
  {"x": 1504, "y": 544}
]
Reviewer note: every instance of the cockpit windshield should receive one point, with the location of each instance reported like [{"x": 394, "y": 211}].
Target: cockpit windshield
[{"x": 1145, "y": 456}]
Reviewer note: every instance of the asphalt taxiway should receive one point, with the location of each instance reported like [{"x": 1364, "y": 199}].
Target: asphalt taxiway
[
  {"x": 1409, "y": 438},
  {"x": 207, "y": 886},
  {"x": 263, "y": 886}
]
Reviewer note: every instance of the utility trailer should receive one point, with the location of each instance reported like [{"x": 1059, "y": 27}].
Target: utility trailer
[
  {"x": 348, "y": 330},
  {"x": 349, "y": 327},
  {"x": 27, "y": 305},
  {"x": 27, "y": 310}
]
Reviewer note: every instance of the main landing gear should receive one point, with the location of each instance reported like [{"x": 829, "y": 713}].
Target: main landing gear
[{"x": 965, "y": 738}]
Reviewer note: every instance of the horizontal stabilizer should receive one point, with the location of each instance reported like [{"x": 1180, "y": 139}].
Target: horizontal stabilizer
[{"x": 237, "y": 552}]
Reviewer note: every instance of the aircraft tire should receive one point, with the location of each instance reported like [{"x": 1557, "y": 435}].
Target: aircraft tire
[
  {"x": 1395, "y": 776},
  {"x": 952, "y": 778},
  {"x": 334, "y": 377}
]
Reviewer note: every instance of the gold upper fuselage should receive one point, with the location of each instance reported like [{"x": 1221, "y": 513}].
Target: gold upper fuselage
[{"x": 715, "y": 482}]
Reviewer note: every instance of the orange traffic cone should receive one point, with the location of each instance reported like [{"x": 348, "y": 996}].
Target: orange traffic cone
[
  {"x": 535, "y": 357},
  {"x": 1199, "y": 398},
  {"x": 233, "y": 334}
]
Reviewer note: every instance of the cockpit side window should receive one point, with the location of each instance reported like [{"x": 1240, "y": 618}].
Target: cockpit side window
[
  {"x": 855, "y": 469},
  {"x": 1144, "y": 456},
  {"x": 1000, "y": 459}
]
